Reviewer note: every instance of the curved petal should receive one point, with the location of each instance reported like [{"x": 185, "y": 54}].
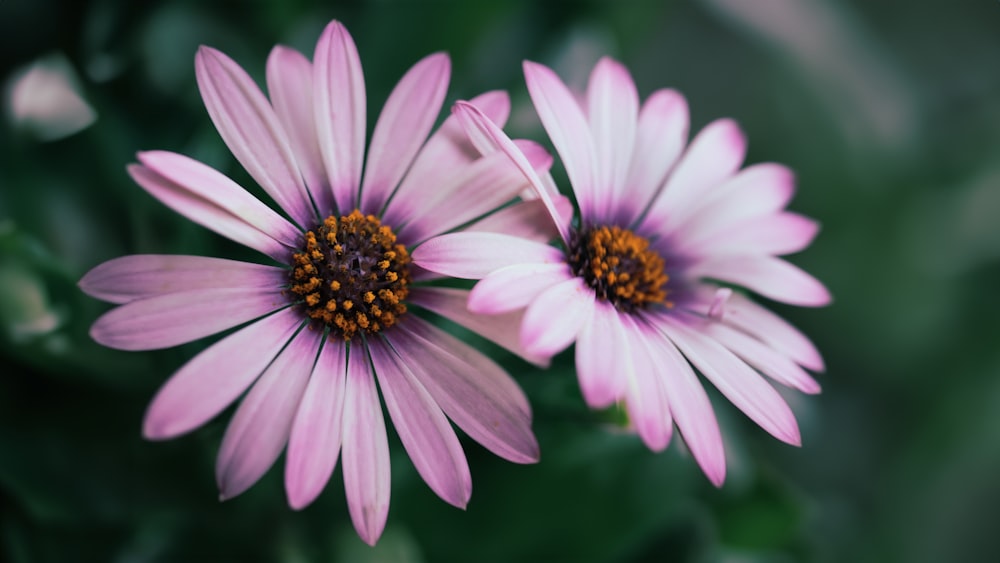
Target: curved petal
[
  {"x": 425, "y": 432},
  {"x": 613, "y": 110},
  {"x": 290, "y": 84},
  {"x": 315, "y": 436},
  {"x": 475, "y": 393},
  {"x": 402, "y": 128},
  {"x": 744, "y": 387},
  {"x": 366, "y": 449},
  {"x": 259, "y": 429},
  {"x": 553, "y": 320},
  {"x": 476, "y": 255},
  {"x": 763, "y": 358},
  {"x": 601, "y": 353},
  {"x": 525, "y": 219},
  {"x": 141, "y": 276},
  {"x": 776, "y": 234},
  {"x": 764, "y": 325},
  {"x": 175, "y": 318},
  {"x": 771, "y": 277},
  {"x": 567, "y": 127},
  {"x": 645, "y": 392},
  {"x": 251, "y": 130},
  {"x": 340, "y": 107},
  {"x": 515, "y": 287},
  {"x": 450, "y": 303},
  {"x": 213, "y": 379}
]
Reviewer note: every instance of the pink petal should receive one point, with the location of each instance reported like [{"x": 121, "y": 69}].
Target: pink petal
[
  {"x": 763, "y": 358},
  {"x": 613, "y": 109},
  {"x": 759, "y": 322},
  {"x": 555, "y": 317},
  {"x": 175, "y": 318},
  {"x": 450, "y": 303},
  {"x": 213, "y": 379},
  {"x": 475, "y": 393},
  {"x": 661, "y": 135},
  {"x": 446, "y": 151},
  {"x": 366, "y": 449},
  {"x": 259, "y": 429},
  {"x": 315, "y": 436},
  {"x": 402, "y": 128},
  {"x": 141, "y": 276},
  {"x": 601, "y": 353},
  {"x": 476, "y": 255},
  {"x": 290, "y": 84},
  {"x": 692, "y": 410},
  {"x": 252, "y": 132},
  {"x": 478, "y": 125},
  {"x": 340, "y": 107},
  {"x": 425, "y": 432},
  {"x": 526, "y": 219},
  {"x": 744, "y": 387},
  {"x": 777, "y": 234},
  {"x": 645, "y": 392},
  {"x": 714, "y": 155},
  {"x": 569, "y": 131},
  {"x": 253, "y": 228},
  {"x": 771, "y": 277},
  {"x": 515, "y": 287}
]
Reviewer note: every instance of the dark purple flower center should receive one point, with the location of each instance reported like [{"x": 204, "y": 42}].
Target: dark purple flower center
[
  {"x": 620, "y": 266},
  {"x": 352, "y": 275}
]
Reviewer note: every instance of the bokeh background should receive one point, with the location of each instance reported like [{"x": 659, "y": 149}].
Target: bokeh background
[{"x": 889, "y": 112}]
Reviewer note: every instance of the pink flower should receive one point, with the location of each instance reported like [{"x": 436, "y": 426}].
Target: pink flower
[
  {"x": 333, "y": 319},
  {"x": 636, "y": 282}
]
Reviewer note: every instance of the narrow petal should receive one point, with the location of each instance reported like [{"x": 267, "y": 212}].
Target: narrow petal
[
  {"x": 251, "y": 130},
  {"x": 554, "y": 318},
  {"x": 771, "y": 277},
  {"x": 315, "y": 436},
  {"x": 761, "y": 323},
  {"x": 692, "y": 411},
  {"x": 450, "y": 303},
  {"x": 243, "y": 226},
  {"x": 141, "y": 276},
  {"x": 447, "y": 150},
  {"x": 661, "y": 135},
  {"x": 476, "y": 255},
  {"x": 475, "y": 393},
  {"x": 213, "y": 379},
  {"x": 777, "y": 234},
  {"x": 714, "y": 155},
  {"x": 366, "y": 449},
  {"x": 601, "y": 353},
  {"x": 763, "y": 358},
  {"x": 290, "y": 84},
  {"x": 402, "y": 128},
  {"x": 744, "y": 387},
  {"x": 646, "y": 395},
  {"x": 175, "y": 318},
  {"x": 515, "y": 287},
  {"x": 259, "y": 430},
  {"x": 426, "y": 434},
  {"x": 340, "y": 107},
  {"x": 569, "y": 131},
  {"x": 613, "y": 110},
  {"x": 525, "y": 219}
]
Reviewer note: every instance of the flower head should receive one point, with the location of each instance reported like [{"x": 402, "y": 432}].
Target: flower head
[
  {"x": 642, "y": 280},
  {"x": 333, "y": 316}
]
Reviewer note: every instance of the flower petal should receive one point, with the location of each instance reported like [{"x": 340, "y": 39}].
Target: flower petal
[
  {"x": 175, "y": 318},
  {"x": 613, "y": 110},
  {"x": 290, "y": 84},
  {"x": 515, "y": 287},
  {"x": 776, "y": 234},
  {"x": 425, "y": 432},
  {"x": 251, "y": 130},
  {"x": 259, "y": 429},
  {"x": 402, "y": 128},
  {"x": 553, "y": 320},
  {"x": 475, "y": 393},
  {"x": 315, "y": 436},
  {"x": 213, "y": 379},
  {"x": 525, "y": 219},
  {"x": 645, "y": 392},
  {"x": 763, "y": 358},
  {"x": 602, "y": 348},
  {"x": 743, "y": 386},
  {"x": 761, "y": 323},
  {"x": 141, "y": 276},
  {"x": 366, "y": 449},
  {"x": 340, "y": 107},
  {"x": 771, "y": 277},
  {"x": 476, "y": 255}
]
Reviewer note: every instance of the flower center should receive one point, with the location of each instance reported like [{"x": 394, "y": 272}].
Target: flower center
[
  {"x": 352, "y": 275},
  {"x": 620, "y": 266}
]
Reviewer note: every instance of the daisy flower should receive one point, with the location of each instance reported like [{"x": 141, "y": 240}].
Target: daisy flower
[
  {"x": 642, "y": 280},
  {"x": 328, "y": 324}
]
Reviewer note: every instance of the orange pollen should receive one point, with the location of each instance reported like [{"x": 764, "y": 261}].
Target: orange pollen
[
  {"x": 351, "y": 275},
  {"x": 620, "y": 266}
]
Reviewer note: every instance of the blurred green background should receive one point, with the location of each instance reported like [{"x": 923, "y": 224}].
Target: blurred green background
[{"x": 889, "y": 112}]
